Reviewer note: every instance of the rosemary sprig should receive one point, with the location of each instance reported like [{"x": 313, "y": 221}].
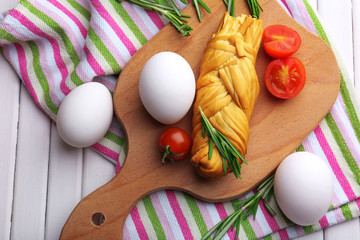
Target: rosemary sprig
[
  {"x": 246, "y": 207},
  {"x": 170, "y": 11},
  {"x": 197, "y": 8},
  {"x": 253, "y": 5},
  {"x": 173, "y": 14},
  {"x": 196, "y": 4},
  {"x": 228, "y": 152},
  {"x": 254, "y": 8}
]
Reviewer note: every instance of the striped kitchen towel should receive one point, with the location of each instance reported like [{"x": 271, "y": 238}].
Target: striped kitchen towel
[{"x": 56, "y": 45}]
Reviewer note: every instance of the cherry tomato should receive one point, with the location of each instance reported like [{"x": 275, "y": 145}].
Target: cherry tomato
[
  {"x": 285, "y": 77},
  {"x": 280, "y": 41},
  {"x": 174, "y": 144}
]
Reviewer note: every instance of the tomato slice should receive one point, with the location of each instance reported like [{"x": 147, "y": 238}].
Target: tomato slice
[
  {"x": 280, "y": 41},
  {"x": 174, "y": 144},
  {"x": 285, "y": 77}
]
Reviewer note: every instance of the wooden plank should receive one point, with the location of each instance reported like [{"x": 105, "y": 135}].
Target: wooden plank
[
  {"x": 9, "y": 109},
  {"x": 9, "y": 113},
  {"x": 64, "y": 185},
  {"x": 31, "y": 171},
  {"x": 318, "y": 235},
  {"x": 347, "y": 230},
  {"x": 314, "y": 4},
  {"x": 338, "y": 17},
  {"x": 97, "y": 171},
  {"x": 356, "y": 39}
]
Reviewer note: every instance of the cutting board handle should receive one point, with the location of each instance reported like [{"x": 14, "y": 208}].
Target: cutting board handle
[{"x": 102, "y": 214}]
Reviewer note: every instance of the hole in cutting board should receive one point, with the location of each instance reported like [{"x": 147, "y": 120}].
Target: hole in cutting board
[{"x": 98, "y": 218}]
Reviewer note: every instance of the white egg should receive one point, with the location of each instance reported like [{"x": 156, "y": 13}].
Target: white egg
[
  {"x": 303, "y": 187},
  {"x": 85, "y": 115},
  {"x": 167, "y": 87}
]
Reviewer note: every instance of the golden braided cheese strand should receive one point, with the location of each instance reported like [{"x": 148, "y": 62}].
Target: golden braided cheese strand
[{"x": 226, "y": 90}]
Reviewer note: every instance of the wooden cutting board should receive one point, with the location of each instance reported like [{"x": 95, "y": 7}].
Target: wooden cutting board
[{"x": 277, "y": 126}]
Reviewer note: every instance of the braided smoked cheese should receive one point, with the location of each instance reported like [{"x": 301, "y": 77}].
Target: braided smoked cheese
[{"x": 226, "y": 89}]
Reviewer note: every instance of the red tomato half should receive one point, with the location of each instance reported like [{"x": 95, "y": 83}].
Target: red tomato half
[
  {"x": 280, "y": 41},
  {"x": 285, "y": 77},
  {"x": 174, "y": 143}
]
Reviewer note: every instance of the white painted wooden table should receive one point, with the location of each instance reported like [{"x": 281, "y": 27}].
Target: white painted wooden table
[{"x": 42, "y": 179}]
